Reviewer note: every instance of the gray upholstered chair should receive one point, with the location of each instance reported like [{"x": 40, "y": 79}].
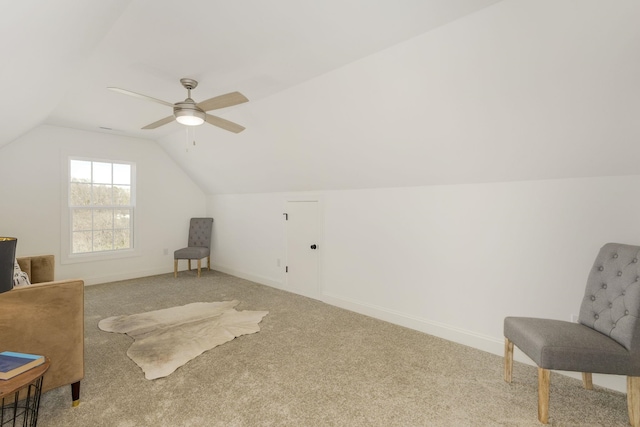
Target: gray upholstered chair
[
  {"x": 199, "y": 244},
  {"x": 605, "y": 340}
]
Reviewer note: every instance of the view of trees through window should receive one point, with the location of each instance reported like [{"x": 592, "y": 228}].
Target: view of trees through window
[{"x": 101, "y": 206}]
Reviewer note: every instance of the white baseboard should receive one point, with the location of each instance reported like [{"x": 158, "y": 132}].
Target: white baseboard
[
  {"x": 448, "y": 332},
  {"x": 274, "y": 283},
  {"x": 88, "y": 281},
  {"x": 441, "y": 330},
  {"x": 460, "y": 336}
]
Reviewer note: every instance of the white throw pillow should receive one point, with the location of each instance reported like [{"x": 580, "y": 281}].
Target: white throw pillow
[{"x": 20, "y": 278}]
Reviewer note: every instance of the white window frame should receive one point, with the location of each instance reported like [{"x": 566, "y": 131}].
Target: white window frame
[{"x": 67, "y": 256}]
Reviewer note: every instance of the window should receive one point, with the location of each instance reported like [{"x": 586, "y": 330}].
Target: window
[{"x": 101, "y": 198}]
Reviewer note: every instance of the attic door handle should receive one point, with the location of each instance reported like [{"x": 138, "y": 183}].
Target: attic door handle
[{"x": 314, "y": 246}]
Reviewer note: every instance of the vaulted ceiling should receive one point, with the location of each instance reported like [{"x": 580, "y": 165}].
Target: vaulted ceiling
[
  {"x": 61, "y": 56},
  {"x": 343, "y": 94}
]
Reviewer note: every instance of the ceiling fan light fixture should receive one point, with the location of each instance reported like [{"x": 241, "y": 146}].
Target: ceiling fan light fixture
[
  {"x": 189, "y": 116},
  {"x": 190, "y": 120}
]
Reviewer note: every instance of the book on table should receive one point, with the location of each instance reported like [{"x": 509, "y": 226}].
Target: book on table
[{"x": 13, "y": 363}]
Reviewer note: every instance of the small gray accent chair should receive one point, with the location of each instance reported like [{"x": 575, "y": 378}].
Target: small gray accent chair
[
  {"x": 605, "y": 340},
  {"x": 199, "y": 244}
]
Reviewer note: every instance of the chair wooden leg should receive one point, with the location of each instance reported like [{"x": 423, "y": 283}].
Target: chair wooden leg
[
  {"x": 199, "y": 265},
  {"x": 189, "y": 265},
  {"x": 508, "y": 359},
  {"x": 633, "y": 400},
  {"x": 587, "y": 380},
  {"x": 175, "y": 268},
  {"x": 543, "y": 395},
  {"x": 209, "y": 263}
]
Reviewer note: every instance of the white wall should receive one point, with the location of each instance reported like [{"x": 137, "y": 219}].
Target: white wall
[
  {"x": 31, "y": 172},
  {"x": 452, "y": 261},
  {"x": 514, "y": 116}
]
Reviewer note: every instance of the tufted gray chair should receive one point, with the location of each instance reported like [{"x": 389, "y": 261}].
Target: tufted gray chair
[
  {"x": 605, "y": 340},
  {"x": 199, "y": 244}
]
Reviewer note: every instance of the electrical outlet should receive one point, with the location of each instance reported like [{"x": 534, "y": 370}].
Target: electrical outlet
[
  {"x": 574, "y": 318},
  {"x": 165, "y": 251},
  {"x": 278, "y": 262}
]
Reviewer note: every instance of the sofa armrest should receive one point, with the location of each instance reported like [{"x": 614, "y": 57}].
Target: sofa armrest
[
  {"x": 47, "y": 319},
  {"x": 40, "y": 268}
]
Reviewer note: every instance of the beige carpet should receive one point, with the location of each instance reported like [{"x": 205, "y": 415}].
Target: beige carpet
[
  {"x": 168, "y": 338},
  {"x": 310, "y": 365}
]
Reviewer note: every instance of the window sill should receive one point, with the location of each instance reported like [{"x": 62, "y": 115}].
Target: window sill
[{"x": 99, "y": 256}]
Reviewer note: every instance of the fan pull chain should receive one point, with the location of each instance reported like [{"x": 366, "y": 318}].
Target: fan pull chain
[{"x": 190, "y": 136}]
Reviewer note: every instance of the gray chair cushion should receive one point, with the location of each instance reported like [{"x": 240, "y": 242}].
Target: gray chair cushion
[
  {"x": 567, "y": 346},
  {"x": 200, "y": 232},
  {"x": 192, "y": 252},
  {"x": 611, "y": 303}
]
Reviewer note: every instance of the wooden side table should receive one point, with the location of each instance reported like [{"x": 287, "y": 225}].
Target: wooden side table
[{"x": 20, "y": 397}]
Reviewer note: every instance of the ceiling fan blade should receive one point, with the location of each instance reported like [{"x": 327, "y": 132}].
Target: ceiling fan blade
[
  {"x": 138, "y": 95},
  {"x": 221, "y": 101},
  {"x": 160, "y": 123},
  {"x": 224, "y": 124}
]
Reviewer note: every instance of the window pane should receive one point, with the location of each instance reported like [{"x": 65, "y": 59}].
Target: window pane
[
  {"x": 102, "y": 173},
  {"x": 121, "y": 195},
  {"x": 121, "y": 174},
  {"x": 102, "y": 195},
  {"x": 80, "y": 171},
  {"x": 103, "y": 240},
  {"x": 101, "y": 200},
  {"x": 121, "y": 239},
  {"x": 103, "y": 219},
  {"x": 81, "y": 220},
  {"x": 81, "y": 242},
  {"x": 122, "y": 218},
  {"x": 79, "y": 194}
]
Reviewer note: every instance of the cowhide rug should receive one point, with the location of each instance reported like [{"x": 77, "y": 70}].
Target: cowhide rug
[{"x": 167, "y": 339}]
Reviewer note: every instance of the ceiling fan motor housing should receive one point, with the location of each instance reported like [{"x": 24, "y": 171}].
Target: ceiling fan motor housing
[{"x": 188, "y": 113}]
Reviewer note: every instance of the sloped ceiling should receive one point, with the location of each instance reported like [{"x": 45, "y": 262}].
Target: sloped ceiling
[
  {"x": 343, "y": 94},
  {"x": 44, "y": 45},
  {"x": 523, "y": 90},
  {"x": 60, "y": 56}
]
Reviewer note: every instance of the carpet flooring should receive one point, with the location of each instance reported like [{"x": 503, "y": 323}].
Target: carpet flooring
[{"x": 312, "y": 364}]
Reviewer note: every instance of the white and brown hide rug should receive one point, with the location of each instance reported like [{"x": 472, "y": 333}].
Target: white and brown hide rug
[{"x": 166, "y": 339}]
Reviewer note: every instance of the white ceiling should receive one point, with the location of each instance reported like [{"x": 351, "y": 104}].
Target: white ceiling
[
  {"x": 343, "y": 94},
  {"x": 65, "y": 53}
]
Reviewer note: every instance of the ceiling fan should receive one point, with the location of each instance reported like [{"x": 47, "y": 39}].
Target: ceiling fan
[{"x": 190, "y": 113}]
